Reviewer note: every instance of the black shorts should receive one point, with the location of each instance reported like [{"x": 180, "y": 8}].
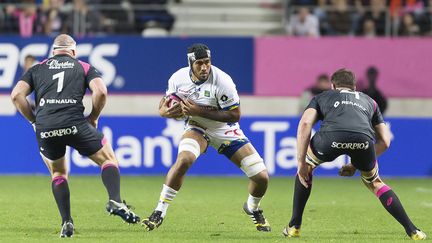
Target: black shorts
[
  {"x": 82, "y": 137},
  {"x": 327, "y": 146}
]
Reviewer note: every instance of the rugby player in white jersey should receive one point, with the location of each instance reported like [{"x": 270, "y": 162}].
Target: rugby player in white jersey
[{"x": 212, "y": 107}]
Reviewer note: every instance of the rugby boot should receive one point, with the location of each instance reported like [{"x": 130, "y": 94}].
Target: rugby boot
[
  {"x": 291, "y": 232},
  {"x": 67, "y": 229},
  {"x": 418, "y": 235},
  {"x": 123, "y": 211},
  {"x": 154, "y": 221},
  {"x": 258, "y": 219}
]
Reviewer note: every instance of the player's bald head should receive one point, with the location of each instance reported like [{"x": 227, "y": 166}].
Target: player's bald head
[{"x": 64, "y": 44}]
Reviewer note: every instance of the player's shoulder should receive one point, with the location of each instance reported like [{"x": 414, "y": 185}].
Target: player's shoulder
[
  {"x": 221, "y": 77},
  {"x": 181, "y": 73},
  {"x": 326, "y": 94}
]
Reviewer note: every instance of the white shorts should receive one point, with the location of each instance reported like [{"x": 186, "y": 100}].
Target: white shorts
[{"x": 220, "y": 138}]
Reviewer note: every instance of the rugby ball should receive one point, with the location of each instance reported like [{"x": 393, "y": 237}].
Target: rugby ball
[{"x": 174, "y": 98}]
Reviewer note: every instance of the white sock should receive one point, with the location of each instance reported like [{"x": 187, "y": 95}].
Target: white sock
[
  {"x": 253, "y": 203},
  {"x": 166, "y": 196}
]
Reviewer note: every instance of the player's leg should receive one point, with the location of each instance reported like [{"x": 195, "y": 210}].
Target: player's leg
[
  {"x": 390, "y": 201},
  {"x": 192, "y": 144},
  {"x": 110, "y": 175},
  {"x": 301, "y": 196},
  {"x": 250, "y": 162},
  {"x": 52, "y": 150},
  {"x": 60, "y": 190},
  {"x": 89, "y": 142}
]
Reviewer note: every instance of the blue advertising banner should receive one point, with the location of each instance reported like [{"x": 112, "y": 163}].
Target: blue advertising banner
[
  {"x": 133, "y": 64},
  {"x": 148, "y": 145}
]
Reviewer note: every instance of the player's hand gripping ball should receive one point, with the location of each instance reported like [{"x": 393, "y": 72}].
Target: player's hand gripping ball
[{"x": 175, "y": 99}]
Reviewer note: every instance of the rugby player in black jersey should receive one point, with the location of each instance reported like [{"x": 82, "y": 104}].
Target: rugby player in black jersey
[
  {"x": 352, "y": 124},
  {"x": 60, "y": 83}
]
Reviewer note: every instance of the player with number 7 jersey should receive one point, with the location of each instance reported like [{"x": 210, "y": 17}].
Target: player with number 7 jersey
[{"x": 60, "y": 83}]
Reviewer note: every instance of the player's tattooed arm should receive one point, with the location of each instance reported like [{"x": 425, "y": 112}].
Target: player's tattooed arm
[
  {"x": 382, "y": 138},
  {"x": 18, "y": 96},
  {"x": 309, "y": 118},
  {"x": 99, "y": 96},
  {"x": 174, "y": 111},
  {"x": 190, "y": 108}
]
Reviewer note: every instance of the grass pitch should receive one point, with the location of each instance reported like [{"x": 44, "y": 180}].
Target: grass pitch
[{"x": 210, "y": 209}]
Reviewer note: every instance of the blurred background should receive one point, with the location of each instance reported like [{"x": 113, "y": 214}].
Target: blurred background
[{"x": 279, "y": 53}]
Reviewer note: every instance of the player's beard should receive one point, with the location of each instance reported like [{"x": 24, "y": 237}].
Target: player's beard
[{"x": 201, "y": 77}]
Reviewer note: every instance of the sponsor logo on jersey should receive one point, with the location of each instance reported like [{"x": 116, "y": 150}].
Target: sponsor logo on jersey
[
  {"x": 352, "y": 146},
  {"x": 55, "y": 64},
  {"x": 336, "y": 104},
  {"x": 43, "y": 101},
  {"x": 207, "y": 93},
  {"x": 346, "y": 102},
  {"x": 59, "y": 132}
]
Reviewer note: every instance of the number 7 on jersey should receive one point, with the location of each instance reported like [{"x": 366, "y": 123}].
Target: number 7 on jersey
[{"x": 60, "y": 77}]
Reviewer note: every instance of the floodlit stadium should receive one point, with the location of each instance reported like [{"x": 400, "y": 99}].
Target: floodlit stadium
[{"x": 109, "y": 107}]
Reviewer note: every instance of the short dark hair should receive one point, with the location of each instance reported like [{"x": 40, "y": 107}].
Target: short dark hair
[{"x": 344, "y": 78}]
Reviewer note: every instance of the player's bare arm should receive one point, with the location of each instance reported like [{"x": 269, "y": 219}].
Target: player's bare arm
[
  {"x": 174, "y": 111},
  {"x": 18, "y": 96},
  {"x": 382, "y": 138},
  {"x": 99, "y": 96},
  {"x": 191, "y": 108},
  {"x": 309, "y": 118}
]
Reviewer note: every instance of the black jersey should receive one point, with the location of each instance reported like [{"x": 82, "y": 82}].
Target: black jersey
[
  {"x": 60, "y": 83},
  {"x": 343, "y": 110}
]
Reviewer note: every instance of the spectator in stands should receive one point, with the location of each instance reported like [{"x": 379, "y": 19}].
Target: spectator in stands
[
  {"x": 377, "y": 14},
  {"x": 82, "y": 21},
  {"x": 339, "y": 18},
  {"x": 303, "y": 24},
  {"x": 372, "y": 89},
  {"x": 425, "y": 19},
  {"x": 118, "y": 16},
  {"x": 369, "y": 30},
  {"x": 154, "y": 11},
  {"x": 23, "y": 19},
  {"x": 321, "y": 13},
  {"x": 53, "y": 17},
  {"x": 408, "y": 27},
  {"x": 29, "y": 61},
  {"x": 322, "y": 84}
]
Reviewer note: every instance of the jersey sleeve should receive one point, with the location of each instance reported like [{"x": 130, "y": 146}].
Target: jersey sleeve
[
  {"x": 171, "y": 87},
  {"x": 314, "y": 104},
  {"x": 226, "y": 94},
  {"x": 377, "y": 117},
  {"x": 92, "y": 74},
  {"x": 28, "y": 77}
]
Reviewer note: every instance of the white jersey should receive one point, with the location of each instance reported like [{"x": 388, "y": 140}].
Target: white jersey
[{"x": 218, "y": 92}]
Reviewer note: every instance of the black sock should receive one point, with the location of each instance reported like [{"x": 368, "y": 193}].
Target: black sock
[
  {"x": 61, "y": 193},
  {"x": 301, "y": 195},
  {"x": 393, "y": 205},
  {"x": 111, "y": 179}
]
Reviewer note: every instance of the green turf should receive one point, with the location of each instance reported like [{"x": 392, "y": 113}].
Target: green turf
[{"x": 210, "y": 209}]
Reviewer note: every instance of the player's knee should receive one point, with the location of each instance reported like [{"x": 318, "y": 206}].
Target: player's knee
[
  {"x": 185, "y": 161},
  {"x": 262, "y": 178},
  {"x": 189, "y": 145},
  {"x": 252, "y": 165}
]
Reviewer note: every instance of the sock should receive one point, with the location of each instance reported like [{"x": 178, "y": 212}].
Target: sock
[
  {"x": 111, "y": 179},
  {"x": 166, "y": 197},
  {"x": 393, "y": 205},
  {"x": 253, "y": 203},
  {"x": 61, "y": 194},
  {"x": 301, "y": 195}
]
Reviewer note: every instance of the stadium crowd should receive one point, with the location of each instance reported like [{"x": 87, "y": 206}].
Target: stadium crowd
[
  {"x": 83, "y": 17},
  {"x": 314, "y": 18},
  {"x": 367, "y": 18}
]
